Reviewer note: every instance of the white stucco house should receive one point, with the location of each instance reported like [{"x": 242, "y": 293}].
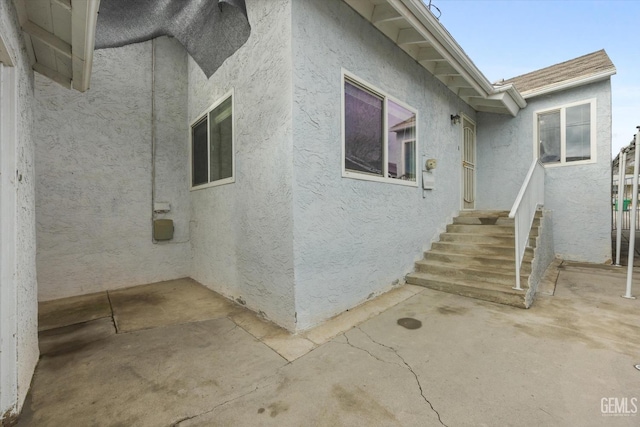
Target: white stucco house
[{"x": 295, "y": 176}]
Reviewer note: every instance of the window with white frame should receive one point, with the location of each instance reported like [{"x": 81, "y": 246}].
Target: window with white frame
[
  {"x": 566, "y": 135},
  {"x": 379, "y": 135},
  {"x": 212, "y": 145}
]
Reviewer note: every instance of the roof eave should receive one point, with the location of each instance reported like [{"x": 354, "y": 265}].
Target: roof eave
[
  {"x": 413, "y": 28},
  {"x": 433, "y": 26},
  {"x": 569, "y": 84},
  {"x": 512, "y": 102}
]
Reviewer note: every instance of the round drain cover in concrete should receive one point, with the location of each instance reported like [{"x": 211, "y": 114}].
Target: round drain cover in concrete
[{"x": 410, "y": 323}]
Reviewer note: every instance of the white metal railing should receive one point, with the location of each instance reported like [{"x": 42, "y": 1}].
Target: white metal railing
[
  {"x": 634, "y": 208},
  {"x": 530, "y": 197}
]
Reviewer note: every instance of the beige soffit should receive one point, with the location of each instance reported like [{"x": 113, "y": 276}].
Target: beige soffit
[
  {"x": 583, "y": 70},
  {"x": 410, "y": 25},
  {"x": 60, "y": 36}
]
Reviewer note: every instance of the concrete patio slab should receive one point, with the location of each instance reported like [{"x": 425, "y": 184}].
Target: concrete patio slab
[
  {"x": 450, "y": 361},
  {"x": 547, "y": 285},
  {"x": 167, "y": 303},
  {"x": 280, "y": 340},
  {"x": 73, "y": 337},
  {"x": 68, "y": 311},
  {"x": 153, "y": 377},
  {"x": 337, "y": 384},
  {"x": 288, "y": 346},
  {"x": 485, "y": 364},
  {"x": 350, "y": 318}
]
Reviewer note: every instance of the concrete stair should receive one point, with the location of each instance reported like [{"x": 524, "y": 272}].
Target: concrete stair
[{"x": 475, "y": 258}]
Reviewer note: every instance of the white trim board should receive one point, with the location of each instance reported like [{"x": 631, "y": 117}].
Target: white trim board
[
  {"x": 593, "y": 117},
  {"x": 8, "y": 291},
  {"x": 345, "y": 75}
]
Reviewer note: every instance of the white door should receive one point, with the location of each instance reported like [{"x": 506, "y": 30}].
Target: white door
[{"x": 468, "y": 164}]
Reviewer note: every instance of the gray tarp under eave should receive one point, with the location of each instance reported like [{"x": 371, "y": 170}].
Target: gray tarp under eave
[{"x": 210, "y": 30}]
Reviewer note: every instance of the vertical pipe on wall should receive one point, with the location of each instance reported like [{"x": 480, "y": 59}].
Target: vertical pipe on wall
[
  {"x": 634, "y": 207},
  {"x": 622, "y": 166},
  {"x": 153, "y": 134}
]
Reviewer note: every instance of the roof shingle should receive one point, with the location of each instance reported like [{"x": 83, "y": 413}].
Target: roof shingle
[{"x": 583, "y": 66}]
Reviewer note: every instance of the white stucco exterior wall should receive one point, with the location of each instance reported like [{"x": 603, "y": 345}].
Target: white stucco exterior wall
[
  {"x": 578, "y": 195},
  {"x": 352, "y": 238},
  {"x": 25, "y": 310},
  {"x": 94, "y": 173},
  {"x": 242, "y": 233}
]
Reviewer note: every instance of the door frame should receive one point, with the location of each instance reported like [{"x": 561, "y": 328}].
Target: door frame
[
  {"x": 8, "y": 203},
  {"x": 463, "y": 118}
]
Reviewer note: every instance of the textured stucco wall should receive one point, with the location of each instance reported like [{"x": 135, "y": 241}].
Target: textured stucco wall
[
  {"x": 544, "y": 253},
  {"x": 172, "y": 151},
  {"x": 94, "y": 171},
  {"x": 353, "y": 238},
  {"x": 242, "y": 233},
  {"x": 578, "y": 195},
  {"x": 25, "y": 250}
]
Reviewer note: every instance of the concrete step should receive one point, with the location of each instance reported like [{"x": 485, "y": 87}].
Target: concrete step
[
  {"x": 483, "y": 220},
  {"x": 480, "y": 290},
  {"x": 476, "y": 249},
  {"x": 484, "y": 213},
  {"x": 485, "y": 274},
  {"x": 500, "y": 240},
  {"x": 477, "y": 220},
  {"x": 491, "y": 213},
  {"x": 481, "y": 229},
  {"x": 475, "y": 257},
  {"x": 473, "y": 261}
]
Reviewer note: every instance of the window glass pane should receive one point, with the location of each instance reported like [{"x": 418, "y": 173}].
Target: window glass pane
[
  {"x": 199, "y": 153},
  {"x": 410, "y": 160},
  {"x": 549, "y": 135},
  {"x": 220, "y": 132},
  {"x": 363, "y": 124},
  {"x": 578, "y": 133},
  {"x": 401, "y": 138}
]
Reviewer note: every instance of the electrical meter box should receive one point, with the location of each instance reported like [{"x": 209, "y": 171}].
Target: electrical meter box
[{"x": 163, "y": 229}]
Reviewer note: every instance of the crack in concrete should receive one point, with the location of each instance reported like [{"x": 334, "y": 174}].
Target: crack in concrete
[
  {"x": 233, "y": 328},
  {"x": 113, "y": 316},
  {"x": 181, "y": 420},
  {"x": 366, "y": 351},
  {"x": 410, "y": 370},
  {"x": 268, "y": 383}
]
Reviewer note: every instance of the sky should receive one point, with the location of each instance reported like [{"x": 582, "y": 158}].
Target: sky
[{"x": 508, "y": 38}]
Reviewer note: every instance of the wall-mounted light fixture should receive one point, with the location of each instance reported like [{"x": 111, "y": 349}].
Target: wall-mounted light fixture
[{"x": 455, "y": 119}]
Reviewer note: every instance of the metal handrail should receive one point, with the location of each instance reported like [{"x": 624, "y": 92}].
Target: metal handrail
[{"x": 530, "y": 197}]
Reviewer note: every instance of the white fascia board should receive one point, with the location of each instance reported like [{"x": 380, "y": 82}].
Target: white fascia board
[
  {"x": 446, "y": 41},
  {"x": 420, "y": 18},
  {"x": 513, "y": 94},
  {"x": 451, "y": 50},
  {"x": 568, "y": 84},
  {"x": 84, "y": 16},
  {"x": 506, "y": 100}
]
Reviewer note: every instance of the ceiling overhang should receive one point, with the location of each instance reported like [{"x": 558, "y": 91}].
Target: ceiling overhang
[
  {"x": 60, "y": 37},
  {"x": 411, "y": 26}
]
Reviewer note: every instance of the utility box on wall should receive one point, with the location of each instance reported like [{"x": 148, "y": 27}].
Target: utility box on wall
[{"x": 163, "y": 229}]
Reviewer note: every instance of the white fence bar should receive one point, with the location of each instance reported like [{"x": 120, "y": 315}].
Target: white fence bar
[
  {"x": 530, "y": 197},
  {"x": 622, "y": 166},
  {"x": 632, "y": 231}
]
